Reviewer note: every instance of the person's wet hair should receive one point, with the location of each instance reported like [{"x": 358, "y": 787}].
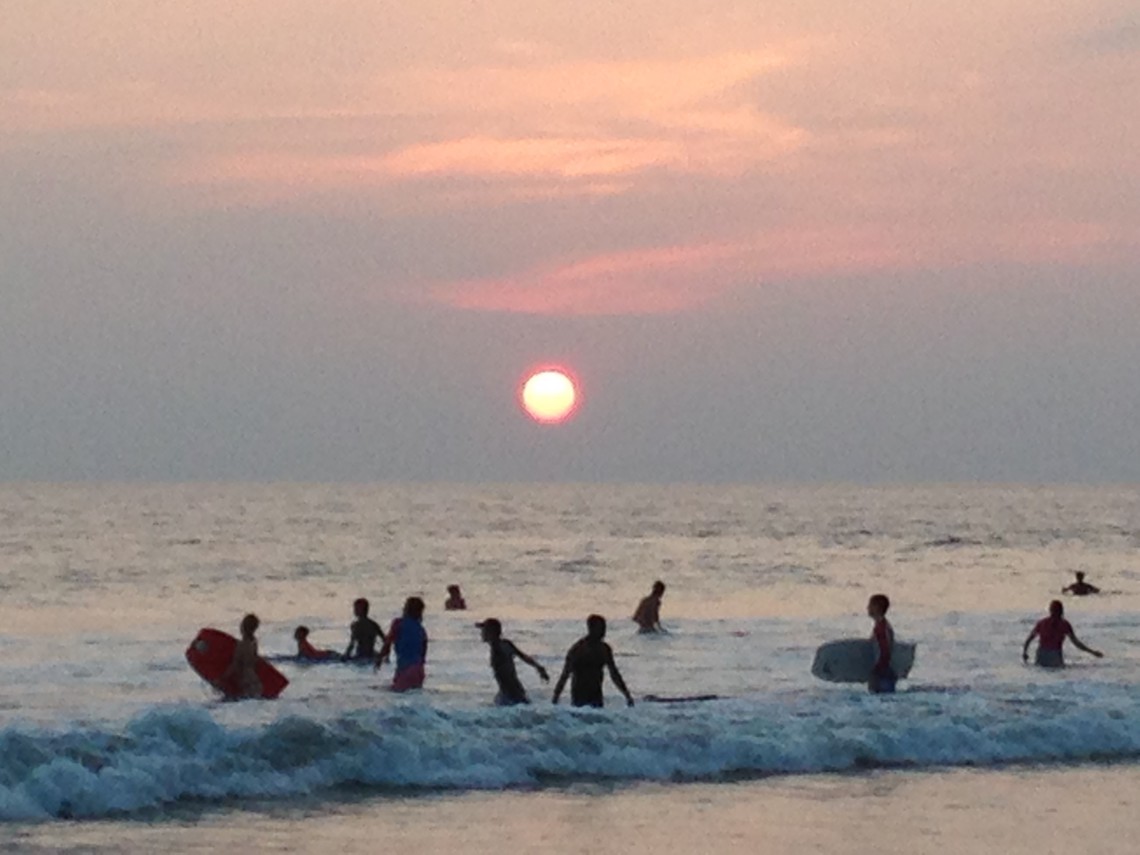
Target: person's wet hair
[
  {"x": 596, "y": 625},
  {"x": 414, "y": 607},
  {"x": 360, "y": 606},
  {"x": 880, "y": 601},
  {"x": 249, "y": 624},
  {"x": 1056, "y": 608},
  {"x": 301, "y": 632},
  {"x": 659, "y": 587}
]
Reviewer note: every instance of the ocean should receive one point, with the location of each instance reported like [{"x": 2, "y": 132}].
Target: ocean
[{"x": 109, "y": 742}]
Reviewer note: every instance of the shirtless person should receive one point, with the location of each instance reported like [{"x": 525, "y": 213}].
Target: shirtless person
[
  {"x": 243, "y": 667},
  {"x": 503, "y": 654},
  {"x": 1080, "y": 587},
  {"x": 648, "y": 613},
  {"x": 883, "y": 677},
  {"x": 585, "y": 663},
  {"x": 1052, "y": 632},
  {"x": 364, "y": 632}
]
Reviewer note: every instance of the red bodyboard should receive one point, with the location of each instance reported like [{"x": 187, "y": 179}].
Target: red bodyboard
[{"x": 210, "y": 655}]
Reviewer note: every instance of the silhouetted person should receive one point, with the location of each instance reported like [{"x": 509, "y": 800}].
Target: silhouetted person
[
  {"x": 647, "y": 616},
  {"x": 455, "y": 601},
  {"x": 585, "y": 663},
  {"x": 883, "y": 677},
  {"x": 363, "y": 633},
  {"x": 1051, "y": 633},
  {"x": 503, "y": 654},
  {"x": 243, "y": 667},
  {"x": 306, "y": 651},
  {"x": 408, "y": 636},
  {"x": 1080, "y": 587}
]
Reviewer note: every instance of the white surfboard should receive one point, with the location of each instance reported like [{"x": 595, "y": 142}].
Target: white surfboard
[{"x": 850, "y": 660}]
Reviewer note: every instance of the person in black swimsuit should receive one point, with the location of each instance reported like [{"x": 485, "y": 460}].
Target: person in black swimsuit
[
  {"x": 585, "y": 663},
  {"x": 364, "y": 632},
  {"x": 503, "y": 654}
]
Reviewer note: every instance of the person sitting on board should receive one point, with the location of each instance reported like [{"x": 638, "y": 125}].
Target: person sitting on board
[
  {"x": 243, "y": 667},
  {"x": 1051, "y": 633},
  {"x": 647, "y": 616},
  {"x": 410, "y": 640},
  {"x": 503, "y": 654},
  {"x": 455, "y": 601},
  {"x": 1080, "y": 587},
  {"x": 363, "y": 633},
  {"x": 306, "y": 651},
  {"x": 585, "y": 663},
  {"x": 883, "y": 678}
]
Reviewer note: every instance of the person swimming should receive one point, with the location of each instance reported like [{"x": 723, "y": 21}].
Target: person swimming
[
  {"x": 306, "y": 651},
  {"x": 647, "y": 615},
  {"x": 1080, "y": 588},
  {"x": 1051, "y": 633},
  {"x": 454, "y": 601},
  {"x": 585, "y": 664}
]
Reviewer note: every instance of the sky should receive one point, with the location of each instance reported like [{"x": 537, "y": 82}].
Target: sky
[{"x": 807, "y": 241}]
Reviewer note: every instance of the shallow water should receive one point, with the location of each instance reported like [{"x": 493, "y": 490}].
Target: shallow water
[{"x": 105, "y": 585}]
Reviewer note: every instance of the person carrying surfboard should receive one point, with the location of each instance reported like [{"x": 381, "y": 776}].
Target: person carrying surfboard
[
  {"x": 585, "y": 663},
  {"x": 243, "y": 667},
  {"x": 503, "y": 655},
  {"x": 409, "y": 638},
  {"x": 363, "y": 633},
  {"x": 647, "y": 616},
  {"x": 883, "y": 677},
  {"x": 1052, "y": 632}
]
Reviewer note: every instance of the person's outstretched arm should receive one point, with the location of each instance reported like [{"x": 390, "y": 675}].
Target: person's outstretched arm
[
  {"x": 532, "y": 663},
  {"x": 615, "y": 675},
  {"x": 1025, "y": 647},
  {"x": 1082, "y": 646},
  {"x": 561, "y": 684}
]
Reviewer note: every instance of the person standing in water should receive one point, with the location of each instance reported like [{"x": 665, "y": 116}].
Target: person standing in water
[
  {"x": 363, "y": 633},
  {"x": 243, "y": 667},
  {"x": 883, "y": 677},
  {"x": 503, "y": 655},
  {"x": 409, "y": 638},
  {"x": 454, "y": 601},
  {"x": 585, "y": 663},
  {"x": 647, "y": 616},
  {"x": 1080, "y": 587},
  {"x": 1051, "y": 633}
]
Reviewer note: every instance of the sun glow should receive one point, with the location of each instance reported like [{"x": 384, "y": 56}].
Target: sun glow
[{"x": 549, "y": 396}]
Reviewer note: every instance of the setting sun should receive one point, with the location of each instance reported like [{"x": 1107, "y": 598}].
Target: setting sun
[{"x": 549, "y": 396}]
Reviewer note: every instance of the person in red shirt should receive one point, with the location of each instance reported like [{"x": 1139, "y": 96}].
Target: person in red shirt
[
  {"x": 1051, "y": 633},
  {"x": 305, "y": 649},
  {"x": 883, "y": 676}
]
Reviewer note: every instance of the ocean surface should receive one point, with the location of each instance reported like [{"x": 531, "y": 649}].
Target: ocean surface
[{"x": 107, "y": 738}]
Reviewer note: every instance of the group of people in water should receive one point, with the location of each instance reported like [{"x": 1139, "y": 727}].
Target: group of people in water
[{"x": 588, "y": 658}]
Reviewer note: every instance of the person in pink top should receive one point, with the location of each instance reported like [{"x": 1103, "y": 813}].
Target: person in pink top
[{"x": 1051, "y": 633}]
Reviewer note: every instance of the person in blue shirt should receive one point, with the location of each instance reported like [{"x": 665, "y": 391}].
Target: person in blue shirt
[{"x": 409, "y": 639}]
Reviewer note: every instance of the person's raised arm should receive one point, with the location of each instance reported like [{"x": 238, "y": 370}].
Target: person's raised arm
[
  {"x": 531, "y": 662},
  {"x": 1025, "y": 647},
  {"x": 615, "y": 675},
  {"x": 1082, "y": 646}
]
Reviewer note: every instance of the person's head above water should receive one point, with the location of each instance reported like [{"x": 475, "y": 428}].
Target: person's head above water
[
  {"x": 414, "y": 607},
  {"x": 878, "y": 605},
  {"x": 360, "y": 607},
  {"x": 658, "y": 587},
  {"x": 453, "y": 589},
  {"x": 249, "y": 625},
  {"x": 301, "y": 632},
  {"x": 1056, "y": 609},
  {"x": 596, "y": 626},
  {"x": 491, "y": 627},
  {"x": 1080, "y": 576}
]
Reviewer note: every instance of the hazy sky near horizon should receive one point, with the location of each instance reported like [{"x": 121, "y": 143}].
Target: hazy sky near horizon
[{"x": 813, "y": 240}]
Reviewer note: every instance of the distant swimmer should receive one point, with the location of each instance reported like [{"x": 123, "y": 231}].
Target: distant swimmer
[
  {"x": 647, "y": 616},
  {"x": 305, "y": 649},
  {"x": 409, "y": 638},
  {"x": 585, "y": 663},
  {"x": 455, "y": 601},
  {"x": 1080, "y": 587},
  {"x": 883, "y": 677},
  {"x": 363, "y": 633},
  {"x": 243, "y": 667},
  {"x": 503, "y": 655},
  {"x": 1051, "y": 633}
]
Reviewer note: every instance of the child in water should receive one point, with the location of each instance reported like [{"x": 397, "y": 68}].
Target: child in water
[
  {"x": 243, "y": 667},
  {"x": 883, "y": 677},
  {"x": 306, "y": 651}
]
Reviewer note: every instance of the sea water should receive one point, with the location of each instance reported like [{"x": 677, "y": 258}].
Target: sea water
[{"x": 104, "y": 586}]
